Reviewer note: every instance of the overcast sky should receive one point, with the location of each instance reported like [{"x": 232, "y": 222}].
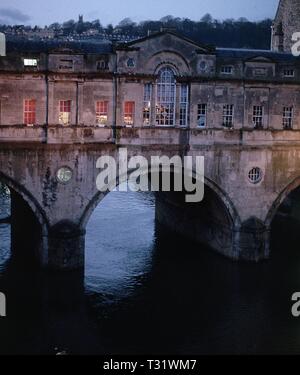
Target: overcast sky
[{"x": 45, "y": 12}]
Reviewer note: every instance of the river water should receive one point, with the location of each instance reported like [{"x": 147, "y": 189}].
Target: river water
[{"x": 147, "y": 291}]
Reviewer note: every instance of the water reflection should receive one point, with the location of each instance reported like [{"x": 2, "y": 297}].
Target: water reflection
[{"x": 146, "y": 291}]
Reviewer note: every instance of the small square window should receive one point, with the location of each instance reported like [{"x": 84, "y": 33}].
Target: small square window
[
  {"x": 288, "y": 73},
  {"x": 260, "y": 72},
  {"x": 66, "y": 65},
  {"x": 30, "y": 62},
  {"x": 227, "y": 69}
]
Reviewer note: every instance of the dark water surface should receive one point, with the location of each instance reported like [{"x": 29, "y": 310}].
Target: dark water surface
[{"x": 146, "y": 291}]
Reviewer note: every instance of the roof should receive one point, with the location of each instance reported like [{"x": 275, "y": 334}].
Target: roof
[
  {"x": 106, "y": 47},
  {"x": 36, "y": 46},
  {"x": 248, "y": 54}
]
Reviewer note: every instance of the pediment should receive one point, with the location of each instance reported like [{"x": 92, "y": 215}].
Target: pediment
[
  {"x": 167, "y": 40},
  {"x": 65, "y": 51},
  {"x": 261, "y": 59}
]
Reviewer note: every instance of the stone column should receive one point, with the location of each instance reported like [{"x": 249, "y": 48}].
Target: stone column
[
  {"x": 26, "y": 232},
  {"x": 252, "y": 241},
  {"x": 66, "y": 244}
]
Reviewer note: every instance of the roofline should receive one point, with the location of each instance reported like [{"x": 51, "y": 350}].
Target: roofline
[{"x": 164, "y": 32}]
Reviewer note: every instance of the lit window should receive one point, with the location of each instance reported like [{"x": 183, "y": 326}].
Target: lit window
[
  {"x": 227, "y": 69},
  {"x": 184, "y": 103},
  {"x": 287, "y": 117},
  {"x": 288, "y": 73},
  {"x": 202, "y": 115},
  {"x": 101, "y": 112},
  {"x": 65, "y": 112},
  {"x": 165, "y": 100},
  {"x": 228, "y": 116},
  {"x": 30, "y": 62},
  {"x": 129, "y": 111},
  {"x": 147, "y": 104},
  {"x": 258, "y": 112},
  {"x": 29, "y": 111}
]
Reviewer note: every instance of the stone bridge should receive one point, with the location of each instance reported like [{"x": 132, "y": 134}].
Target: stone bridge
[{"x": 248, "y": 174}]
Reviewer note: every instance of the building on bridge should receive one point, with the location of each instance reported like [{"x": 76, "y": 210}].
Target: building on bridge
[{"x": 161, "y": 80}]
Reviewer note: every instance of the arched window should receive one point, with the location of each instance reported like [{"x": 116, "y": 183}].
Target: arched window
[{"x": 165, "y": 97}]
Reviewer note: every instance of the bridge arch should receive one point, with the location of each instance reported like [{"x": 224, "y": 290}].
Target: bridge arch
[
  {"x": 216, "y": 234},
  {"x": 223, "y": 196},
  {"x": 294, "y": 184},
  {"x": 29, "y": 199}
]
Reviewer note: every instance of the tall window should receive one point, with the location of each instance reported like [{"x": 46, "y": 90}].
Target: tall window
[
  {"x": 65, "y": 112},
  {"x": 129, "y": 113},
  {"x": 184, "y": 103},
  {"x": 101, "y": 113},
  {"x": 202, "y": 115},
  {"x": 258, "y": 112},
  {"x": 287, "y": 117},
  {"x": 29, "y": 111},
  {"x": 147, "y": 104},
  {"x": 228, "y": 116},
  {"x": 165, "y": 99}
]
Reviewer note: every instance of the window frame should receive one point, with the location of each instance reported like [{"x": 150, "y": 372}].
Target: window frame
[
  {"x": 129, "y": 113},
  {"x": 29, "y": 112},
  {"x": 147, "y": 102},
  {"x": 184, "y": 105},
  {"x": 63, "y": 113},
  {"x": 202, "y": 107},
  {"x": 287, "y": 117},
  {"x": 258, "y": 115},
  {"x": 227, "y": 69},
  {"x": 228, "y": 114},
  {"x": 165, "y": 108},
  {"x": 30, "y": 62},
  {"x": 102, "y": 112}
]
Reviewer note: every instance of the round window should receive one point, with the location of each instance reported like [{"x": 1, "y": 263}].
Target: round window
[
  {"x": 130, "y": 63},
  {"x": 64, "y": 175},
  {"x": 255, "y": 175},
  {"x": 203, "y": 65}
]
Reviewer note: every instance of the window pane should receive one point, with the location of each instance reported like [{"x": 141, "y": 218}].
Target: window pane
[
  {"x": 201, "y": 116},
  {"x": 65, "y": 112},
  {"x": 165, "y": 98},
  {"x": 101, "y": 112},
  {"x": 29, "y": 111},
  {"x": 129, "y": 110},
  {"x": 147, "y": 103}
]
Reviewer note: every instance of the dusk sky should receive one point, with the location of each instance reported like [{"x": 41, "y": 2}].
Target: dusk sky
[{"x": 45, "y": 12}]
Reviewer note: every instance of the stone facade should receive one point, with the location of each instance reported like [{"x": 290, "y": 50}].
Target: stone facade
[{"x": 286, "y": 23}]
